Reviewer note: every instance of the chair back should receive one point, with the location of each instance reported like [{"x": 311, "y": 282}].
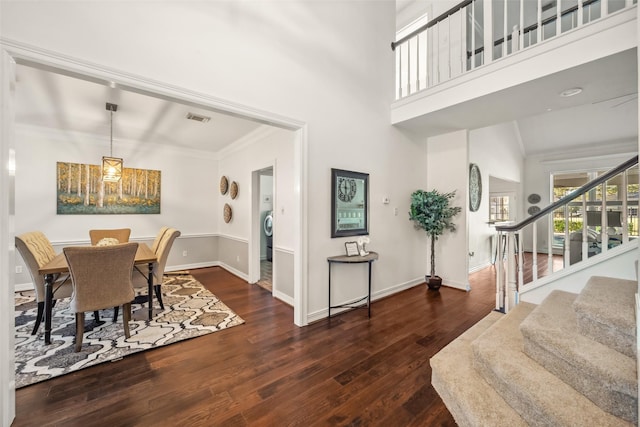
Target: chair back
[
  {"x": 36, "y": 250},
  {"x": 120, "y": 234},
  {"x": 162, "y": 252},
  {"x": 101, "y": 275},
  {"x": 158, "y": 239}
]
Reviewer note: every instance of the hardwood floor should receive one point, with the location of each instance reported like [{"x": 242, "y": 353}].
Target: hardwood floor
[{"x": 347, "y": 370}]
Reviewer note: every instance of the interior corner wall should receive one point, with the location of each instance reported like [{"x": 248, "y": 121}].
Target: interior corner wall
[
  {"x": 271, "y": 147},
  {"x": 447, "y": 170},
  {"x": 497, "y": 152}
]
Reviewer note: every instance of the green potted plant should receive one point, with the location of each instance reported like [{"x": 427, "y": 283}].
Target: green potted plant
[{"x": 431, "y": 211}]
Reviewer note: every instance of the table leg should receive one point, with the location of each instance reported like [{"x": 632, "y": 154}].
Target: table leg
[
  {"x": 329, "y": 308},
  {"x": 150, "y": 291},
  {"x": 48, "y": 306},
  {"x": 369, "y": 297}
]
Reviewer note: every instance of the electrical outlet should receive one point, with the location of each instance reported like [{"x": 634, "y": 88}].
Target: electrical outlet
[
  {"x": 184, "y": 253},
  {"x": 237, "y": 258},
  {"x": 395, "y": 211},
  {"x": 18, "y": 269}
]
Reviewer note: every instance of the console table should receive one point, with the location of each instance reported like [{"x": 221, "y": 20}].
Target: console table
[{"x": 356, "y": 259}]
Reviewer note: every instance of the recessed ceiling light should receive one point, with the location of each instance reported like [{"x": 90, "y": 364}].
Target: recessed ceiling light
[
  {"x": 571, "y": 92},
  {"x": 198, "y": 118}
]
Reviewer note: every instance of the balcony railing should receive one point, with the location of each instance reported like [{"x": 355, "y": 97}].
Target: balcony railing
[
  {"x": 589, "y": 221},
  {"x": 473, "y": 33}
]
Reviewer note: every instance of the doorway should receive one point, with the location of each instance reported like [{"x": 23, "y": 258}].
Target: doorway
[{"x": 266, "y": 195}]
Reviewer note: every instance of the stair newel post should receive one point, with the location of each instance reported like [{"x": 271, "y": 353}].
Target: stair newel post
[
  {"x": 510, "y": 300},
  {"x": 567, "y": 244},
  {"x": 585, "y": 237},
  {"x": 625, "y": 209},
  {"x": 519, "y": 245},
  {"x": 550, "y": 242},
  {"x": 500, "y": 274},
  {"x": 534, "y": 243}
]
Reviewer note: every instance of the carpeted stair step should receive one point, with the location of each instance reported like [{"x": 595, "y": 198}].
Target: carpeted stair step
[
  {"x": 469, "y": 398},
  {"x": 541, "y": 398},
  {"x": 606, "y": 313},
  {"x": 605, "y": 376}
]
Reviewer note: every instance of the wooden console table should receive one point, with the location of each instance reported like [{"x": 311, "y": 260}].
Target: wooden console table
[{"x": 356, "y": 259}]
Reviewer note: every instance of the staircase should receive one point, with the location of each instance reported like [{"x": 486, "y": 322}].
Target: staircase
[{"x": 569, "y": 361}]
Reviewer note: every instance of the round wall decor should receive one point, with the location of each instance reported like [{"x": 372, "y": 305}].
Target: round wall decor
[
  {"x": 533, "y": 210},
  {"x": 227, "y": 213},
  {"x": 233, "y": 192},
  {"x": 475, "y": 187},
  {"x": 224, "y": 185},
  {"x": 533, "y": 198}
]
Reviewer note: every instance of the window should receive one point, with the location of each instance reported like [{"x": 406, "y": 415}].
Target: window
[{"x": 499, "y": 208}]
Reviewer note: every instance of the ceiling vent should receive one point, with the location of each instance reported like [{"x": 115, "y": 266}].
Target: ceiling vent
[{"x": 198, "y": 118}]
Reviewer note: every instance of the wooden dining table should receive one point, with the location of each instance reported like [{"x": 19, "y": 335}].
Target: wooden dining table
[{"x": 58, "y": 265}]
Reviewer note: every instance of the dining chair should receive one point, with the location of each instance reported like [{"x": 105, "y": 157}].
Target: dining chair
[
  {"x": 158, "y": 239},
  {"x": 165, "y": 240},
  {"x": 101, "y": 278},
  {"x": 120, "y": 234},
  {"x": 36, "y": 251}
]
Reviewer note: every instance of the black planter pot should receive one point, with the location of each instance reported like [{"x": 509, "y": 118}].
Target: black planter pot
[{"x": 434, "y": 282}]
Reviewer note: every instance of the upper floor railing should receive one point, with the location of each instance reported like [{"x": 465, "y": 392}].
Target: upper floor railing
[
  {"x": 473, "y": 33},
  {"x": 589, "y": 221}
]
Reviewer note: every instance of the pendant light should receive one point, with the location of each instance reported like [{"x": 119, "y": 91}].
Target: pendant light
[{"x": 111, "y": 166}]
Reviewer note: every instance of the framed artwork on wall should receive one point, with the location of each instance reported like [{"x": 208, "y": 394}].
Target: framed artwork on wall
[
  {"x": 81, "y": 191},
  {"x": 349, "y": 203}
]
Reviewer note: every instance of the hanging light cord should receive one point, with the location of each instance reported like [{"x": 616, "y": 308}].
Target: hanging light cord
[{"x": 111, "y": 145}]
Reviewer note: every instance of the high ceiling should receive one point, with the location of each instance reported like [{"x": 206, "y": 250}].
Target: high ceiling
[
  {"x": 51, "y": 100},
  {"x": 605, "y": 112}
]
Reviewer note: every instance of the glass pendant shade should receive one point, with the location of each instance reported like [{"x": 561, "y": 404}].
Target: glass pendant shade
[{"x": 111, "y": 169}]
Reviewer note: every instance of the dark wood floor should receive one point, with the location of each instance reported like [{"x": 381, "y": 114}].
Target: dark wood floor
[{"x": 347, "y": 370}]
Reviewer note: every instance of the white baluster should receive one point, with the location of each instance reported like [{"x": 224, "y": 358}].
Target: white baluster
[
  {"x": 567, "y": 243},
  {"x": 550, "y": 242},
  {"x": 539, "y": 29},
  {"x": 625, "y": 208},
  {"x": 500, "y": 283},
  {"x": 519, "y": 245},
  {"x": 585, "y": 235}
]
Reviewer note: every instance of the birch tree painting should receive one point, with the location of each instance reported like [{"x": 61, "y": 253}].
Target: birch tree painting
[{"x": 81, "y": 190}]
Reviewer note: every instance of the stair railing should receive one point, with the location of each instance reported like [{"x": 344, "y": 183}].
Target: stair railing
[
  {"x": 586, "y": 209},
  {"x": 463, "y": 38}
]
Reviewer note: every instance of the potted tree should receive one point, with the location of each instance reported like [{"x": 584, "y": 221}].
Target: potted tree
[{"x": 431, "y": 212}]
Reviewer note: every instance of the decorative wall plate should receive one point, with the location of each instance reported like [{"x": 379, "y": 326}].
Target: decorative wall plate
[
  {"x": 233, "y": 192},
  {"x": 533, "y": 210},
  {"x": 224, "y": 185},
  {"x": 475, "y": 187},
  {"x": 227, "y": 213},
  {"x": 533, "y": 198}
]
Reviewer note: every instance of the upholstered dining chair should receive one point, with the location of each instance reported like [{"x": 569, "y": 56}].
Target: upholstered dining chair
[
  {"x": 101, "y": 278},
  {"x": 120, "y": 234},
  {"x": 36, "y": 250},
  {"x": 165, "y": 240}
]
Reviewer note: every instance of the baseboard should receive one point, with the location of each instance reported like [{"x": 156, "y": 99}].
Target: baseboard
[
  {"x": 324, "y": 313},
  {"x": 283, "y": 297},
  {"x": 238, "y": 273},
  {"x": 21, "y": 287}
]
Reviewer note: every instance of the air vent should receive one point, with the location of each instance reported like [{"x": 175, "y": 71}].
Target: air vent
[{"x": 198, "y": 118}]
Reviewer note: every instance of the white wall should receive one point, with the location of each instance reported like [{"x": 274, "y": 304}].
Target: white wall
[
  {"x": 497, "y": 151},
  {"x": 327, "y": 64},
  {"x": 447, "y": 170},
  {"x": 188, "y": 200}
]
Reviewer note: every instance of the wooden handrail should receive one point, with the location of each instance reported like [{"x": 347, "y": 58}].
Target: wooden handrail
[
  {"x": 431, "y": 23},
  {"x": 497, "y": 42},
  {"x": 569, "y": 197}
]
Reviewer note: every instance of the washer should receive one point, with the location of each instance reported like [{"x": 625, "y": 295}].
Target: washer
[{"x": 268, "y": 231}]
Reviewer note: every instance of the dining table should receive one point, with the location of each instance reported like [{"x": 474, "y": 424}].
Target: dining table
[{"x": 58, "y": 265}]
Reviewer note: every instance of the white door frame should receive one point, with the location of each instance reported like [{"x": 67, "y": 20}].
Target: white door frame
[{"x": 256, "y": 225}]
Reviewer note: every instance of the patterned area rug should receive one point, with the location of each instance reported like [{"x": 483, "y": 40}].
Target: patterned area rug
[{"x": 190, "y": 311}]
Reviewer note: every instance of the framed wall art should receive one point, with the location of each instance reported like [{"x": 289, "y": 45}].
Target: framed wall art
[
  {"x": 80, "y": 191},
  {"x": 349, "y": 203}
]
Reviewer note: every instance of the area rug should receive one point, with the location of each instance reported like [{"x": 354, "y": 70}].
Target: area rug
[{"x": 190, "y": 311}]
